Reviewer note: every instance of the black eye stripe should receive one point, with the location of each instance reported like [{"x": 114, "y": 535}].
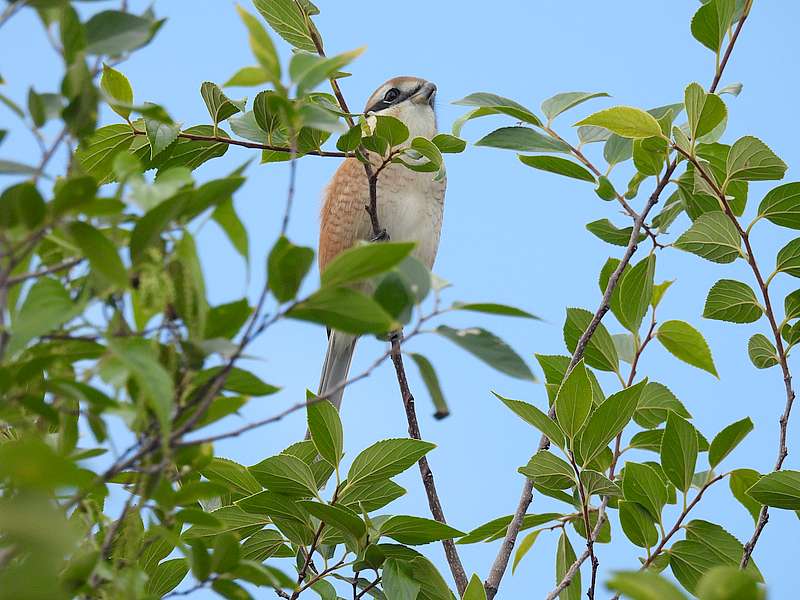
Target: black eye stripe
[{"x": 384, "y": 104}]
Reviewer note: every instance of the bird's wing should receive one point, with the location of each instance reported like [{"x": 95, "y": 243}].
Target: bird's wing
[{"x": 343, "y": 219}]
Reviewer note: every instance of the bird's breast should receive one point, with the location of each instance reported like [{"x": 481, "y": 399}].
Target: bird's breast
[{"x": 410, "y": 208}]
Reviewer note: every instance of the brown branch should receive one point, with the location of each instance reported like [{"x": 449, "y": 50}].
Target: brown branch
[
  {"x": 456, "y": 568},
  {"x": 590, "y": 165},
  {"x": 574, "y": 567},
  {"x": 62, "y": 266},
  {"x": 254, "y": 145},
  {"x": 763, "y": 286},
  {"x": 680, "y": 519}
]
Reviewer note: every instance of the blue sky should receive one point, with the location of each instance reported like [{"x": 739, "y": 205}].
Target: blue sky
[{"x": 511, "y": 234}]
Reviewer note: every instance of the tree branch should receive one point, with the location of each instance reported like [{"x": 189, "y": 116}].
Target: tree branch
[
  {"x": 453, "y": 559},
  {"x": 253, "y": 145}
]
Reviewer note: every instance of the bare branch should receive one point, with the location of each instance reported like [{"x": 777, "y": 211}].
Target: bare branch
[{"x": 453, "y": 559}]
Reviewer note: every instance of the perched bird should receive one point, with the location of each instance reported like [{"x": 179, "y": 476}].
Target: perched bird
[{"x": 410, "y": 205}]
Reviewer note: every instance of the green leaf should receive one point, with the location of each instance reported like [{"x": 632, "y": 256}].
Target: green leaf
[
  {"x": 261, "y": 545},
  {"x": 160, "y": 135},
  {"x": 717, "y": 547},
  {"x": 762, "y": 352},
  {"x": 225, "y": 216},
  {"x": 605, "y": 189},
  {"x": 791, "y": 305},
  {"x": 232, "y": 475},
  {"x": 219, "y": 106},
  {"x": 574, "y": 401},
  {"x": 119, "y": 89},
  {"x": 238, "y": 381},
  {"x": 247, "y": 77},
  {"x": 325, "y": 428},
  {"x": 364, "y": 261},
  {"x": 565, "y": 556},
  {"x": 416, "y": 530},
  {"x": 712, "y": 236},
  {"x": 686, "y": 343},
  {"x": 287, "y": 265},
  {"x": 655, "y": 403},
  {"x": 21, "y": 205},
  {"x": 522, "y": 139},
  {"x": 649, "y": 155},
  {"x": 288, "y": 21},
  {"x": 449, "y": 144},
  {"x": 557, "y": 165},
  {"x": 711, "y": 22},
  {"x": 781, "y": 205},
  {"x": 492, "y": 308},
  {"x": 625, "y": 121},
  {"x": 617, "y": 149},
  {"x": 100, "y": 251},
  {"x": 233, "y": 518},
  {"x": 113, "y": 32},
  {"x": 643, "y": 585},
  {"x": 595, "y": 483},
  {"x": 193, "y": 153},
  {"x": 780, "y": 489},
  {"x": 549, "y": 471},
  {"x": 742, "y": 480},
  {"x": 46, "y": 307},
  {"x": 488, "y": 348},
  {"x": 637, "y": 524},
  {"x": 385, "y": 459},
  {"x": 490, "y": 104},
  {"x": 705, "y": 111},
  {"x": 608, "y": 232},
  {"x": 431, "y": 380},
  {"x": 647, "y": 440},
  {"x": 351, "y": 140},
  {"x": 97, "y": 152},
  {"x": 679, "y": 450},
  {"x": 533, "y": 416},
  {"x": 337, "y": 517},
  {"x": 155, "y": 383},
  {"x": 609, "y": 419},
  {"x": 727, "y": 582},
  {"x": 788, "y": 259},
  {"x": 398, "y": 580},
  {"x": 167, "y": 576},
  {"x": 286, "y": 475},
  {"x": 600, "y": 351},
  {"x": 635, "y": 292},
  {"x": 475, "y": 589},
  {"x": 308, "y": 71},
  {"x": 345, "y": 310},
  {"x": 262, "y": 47},
  {"x": 554, "y": 106},
  {"x": 642, "y": 484},
  {"x": 727, "y": 439},
  {"x": 733, "y": 301},
  {"x": 371, "y": 495},
  {"x": 751, "y": 160}
]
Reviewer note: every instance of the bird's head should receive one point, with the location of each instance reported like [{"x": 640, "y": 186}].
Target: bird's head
[{"x": 409, "y": 99}]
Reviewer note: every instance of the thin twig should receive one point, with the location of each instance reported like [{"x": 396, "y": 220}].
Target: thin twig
[
  {"x": 62, "y": 266},
  {"x": 253, "y": 145},
  {"x": 435, "y": 504}
]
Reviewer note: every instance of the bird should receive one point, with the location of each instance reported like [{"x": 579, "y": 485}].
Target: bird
[{"x": 410, "y": 206}]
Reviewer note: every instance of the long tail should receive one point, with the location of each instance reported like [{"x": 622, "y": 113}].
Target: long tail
[{"x": 336, "y": 365}]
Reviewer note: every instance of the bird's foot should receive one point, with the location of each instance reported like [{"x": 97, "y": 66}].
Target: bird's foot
[{"x": 383, "y": 236}]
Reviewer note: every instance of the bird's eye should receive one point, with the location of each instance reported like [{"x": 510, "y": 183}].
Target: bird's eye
[{"x": 391, "y": 95}]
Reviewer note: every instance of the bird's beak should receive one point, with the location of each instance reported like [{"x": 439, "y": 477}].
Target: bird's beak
[{"x": 425, "y": 94}]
